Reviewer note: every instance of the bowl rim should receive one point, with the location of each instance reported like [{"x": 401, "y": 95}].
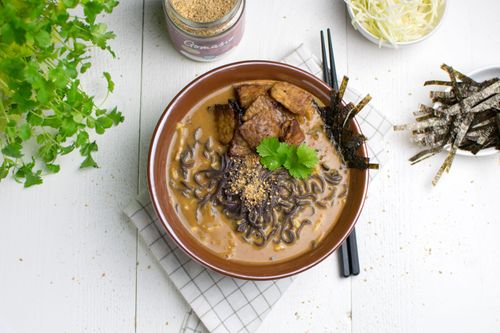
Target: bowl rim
[
  {"x": 375, "y": 40},
  {"x": 156, "y": 201}
]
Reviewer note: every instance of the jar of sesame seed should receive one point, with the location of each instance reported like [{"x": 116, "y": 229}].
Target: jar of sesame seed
[{"x": 205, "y": 30}]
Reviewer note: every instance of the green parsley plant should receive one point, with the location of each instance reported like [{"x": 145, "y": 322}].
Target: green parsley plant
[{"x": 44, "y": 48}]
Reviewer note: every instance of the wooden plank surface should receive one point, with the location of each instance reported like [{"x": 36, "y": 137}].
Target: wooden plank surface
[{"x": 428, "y": 255}]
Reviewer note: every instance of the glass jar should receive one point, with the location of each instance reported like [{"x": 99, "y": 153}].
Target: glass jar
[{"x": 207, "y": 41}]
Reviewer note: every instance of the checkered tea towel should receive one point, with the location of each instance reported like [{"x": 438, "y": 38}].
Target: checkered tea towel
[{"x": 220, "y": 303}]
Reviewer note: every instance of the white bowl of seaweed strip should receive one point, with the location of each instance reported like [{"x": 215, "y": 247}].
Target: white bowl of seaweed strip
[{"x": 480, "y": 74}]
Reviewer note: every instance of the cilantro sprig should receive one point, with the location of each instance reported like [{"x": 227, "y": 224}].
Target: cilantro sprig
[
  {"x": 300, "y": 161},
  {"x": 44, "y": 48}
]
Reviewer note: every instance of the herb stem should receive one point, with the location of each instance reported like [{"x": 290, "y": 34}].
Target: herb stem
[{"x": 3, "y": 83}]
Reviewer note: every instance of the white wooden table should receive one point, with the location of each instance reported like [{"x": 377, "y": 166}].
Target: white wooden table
[{"x": 70, "y": 262}]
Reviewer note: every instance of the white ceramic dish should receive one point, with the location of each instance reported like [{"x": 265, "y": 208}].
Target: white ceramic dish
[
  {"x": 368, "y": 35},
  {"x": 481, "y": 74}
]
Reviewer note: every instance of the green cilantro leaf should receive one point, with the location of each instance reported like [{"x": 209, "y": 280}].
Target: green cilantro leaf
[
  {"x": 13, "y": 150},
  {"x": 268, "y": 147},
  {"x": 295, "y": 167},
  {"x": 299, "y": 161},
  {"x": 54, "y": 168},
  {"x": 88, "y": 163},
  {"x": 5, "y": 168},
  {"x": 307, "y": 156},
  {"x": 42, "y": 39},
  {"x": 85, "y": 67},
  {"x": 70, "y": 3},
  {"x": 111, "y": 84},
  {"x": 27, "y": 173},
  {"x": 91, "y": 9},
  {"x": 33, "y": 178},
  {"x": 272, "y": 152},
  {"x": 25, "y": 132}
]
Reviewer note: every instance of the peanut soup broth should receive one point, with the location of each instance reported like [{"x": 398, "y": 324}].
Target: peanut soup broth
[{"x": 232, "y": 204}]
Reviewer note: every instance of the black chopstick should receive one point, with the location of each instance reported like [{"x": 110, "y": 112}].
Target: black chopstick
[
  {"x": 326, "y": 77},
  {"x": 333, "y": 69},
  {"x": 345, "y": 262},
  {"x": 352, "y": 246},
  {"x": 348, "y": 248}
]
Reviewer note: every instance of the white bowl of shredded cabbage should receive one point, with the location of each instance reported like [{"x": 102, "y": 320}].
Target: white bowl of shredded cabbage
[{"x": 395, "y": 23}]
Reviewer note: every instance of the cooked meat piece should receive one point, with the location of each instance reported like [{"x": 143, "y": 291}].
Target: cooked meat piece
[
  {"x": 225, "y": 121},
  {"x": 239, "y": 147},
  {"x": 295, "y": 99},
  {"x": 248, "y": 93},
  {"x": 259, "y": 128},
  {"x": 285, "y": 114},
  {"x": 291, "y": 132},
  {"x": 265, "y": 104},
  {"x": 263, "y": 119}
]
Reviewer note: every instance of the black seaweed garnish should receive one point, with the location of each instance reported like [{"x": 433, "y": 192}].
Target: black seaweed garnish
[
  {"x": 337, "y": 118},
  {"x": 237, "y": 108},
  {"x": 466, "y": 117}
]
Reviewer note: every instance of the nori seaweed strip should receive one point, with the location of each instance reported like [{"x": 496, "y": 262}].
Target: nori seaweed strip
[
  {"x": 453, "y": 80},
  {"x": 336, "y": 120},
  {"x": 422, "y": 124},
  {"x": 473, "y": 99},
  {"x": 354, "y": 109},
  {"x": 428, "y": 139},
  {"x": 459, "y": 75},
  {"x": 498, "y": 126},
  {"x": 334, "y": 112},
  {"x": 342, "y": 88},
  {"x": 475, "y": 134},
  {"x": 462, "y": 129},
  {"x": 422, "y": 118},
  {"x": 362, "y": 104},
  {"x": 442, "y": 94},
  {"x": 466, "y": 117},
  {"x": 465, "y": 88},
  {"x": 445, "y": 101},
  {"x": 237, "y": 108},
  {"x": 483, "y": 119},
  {"x": 460, "y": 132},
  {"x": 445, "y": 166},
  {"x": 425, "y": 154},
  {"x": 489, "y": 82},
  {"x": 437, "y": 83},
  {"x": 485, "y": 135},
  {"x": 424, "y": 110},
  {"x": 486, "y": 104}
]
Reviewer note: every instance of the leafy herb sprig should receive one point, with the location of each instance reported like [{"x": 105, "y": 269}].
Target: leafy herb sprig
[
  {"x": 300, "y": 161},
  {"x": 44, "y": 48}
]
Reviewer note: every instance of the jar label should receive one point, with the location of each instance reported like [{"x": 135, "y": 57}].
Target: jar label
[{"x": 206, "y": 48}]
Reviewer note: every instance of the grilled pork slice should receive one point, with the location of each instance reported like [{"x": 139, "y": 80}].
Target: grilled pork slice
[
  {"x": 262, "y": 119},
  {"x": 264, "y": 104},
  {"x": 291, "y": 132},
  {"x": 225, "y": 121},
  {"x": 295, "y": 99},
  {"x": 248, "y": 92},
  {"x": 239, "y": 147}
]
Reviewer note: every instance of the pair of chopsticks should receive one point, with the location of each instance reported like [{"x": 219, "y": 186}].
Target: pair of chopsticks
[{"x": 349, "y": 248}]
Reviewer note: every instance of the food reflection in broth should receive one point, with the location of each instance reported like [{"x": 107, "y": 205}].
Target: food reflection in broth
[{"x": 233, "y": 205}]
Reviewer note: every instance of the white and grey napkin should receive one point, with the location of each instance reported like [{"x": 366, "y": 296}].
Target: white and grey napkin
[{"x": 220, "y": 303}]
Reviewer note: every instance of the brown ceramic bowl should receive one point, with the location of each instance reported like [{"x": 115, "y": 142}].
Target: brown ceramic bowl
[{"x": 199, "y": 89}]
